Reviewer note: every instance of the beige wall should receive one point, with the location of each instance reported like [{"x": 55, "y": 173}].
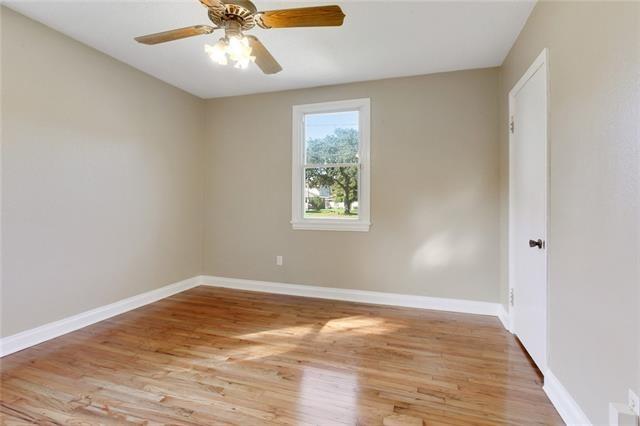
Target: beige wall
[
  {"x": 594, "y": 235},
  {"x": 434, "y": 190},
  {"x": 101, "y": 178}
]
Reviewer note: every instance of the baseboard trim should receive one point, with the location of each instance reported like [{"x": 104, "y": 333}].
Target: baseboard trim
[
  {"x": 505, "y": 318},
  {"x": 567, "y": 407},
  {"x": 32, "y": 337},
  {"x": 28, "y": 338},
  {"x": 362, "y": 296}
]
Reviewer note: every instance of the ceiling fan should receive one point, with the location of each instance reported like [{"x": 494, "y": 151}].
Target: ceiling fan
[{"x": 236, "y": 16}]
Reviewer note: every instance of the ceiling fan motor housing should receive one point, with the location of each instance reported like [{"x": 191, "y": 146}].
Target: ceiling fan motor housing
[{"x": 240, "y": 11}]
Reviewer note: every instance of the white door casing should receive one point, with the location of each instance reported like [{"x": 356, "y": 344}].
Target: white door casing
[{"x": 528, "y": 187}]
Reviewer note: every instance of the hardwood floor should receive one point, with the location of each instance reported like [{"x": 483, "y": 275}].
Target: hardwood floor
[{"x": 214, "y": 356}]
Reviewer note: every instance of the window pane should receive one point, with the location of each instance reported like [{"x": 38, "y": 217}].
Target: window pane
[
  {"x": 331, "y": 138},
  {"x": 331, "y": 192}
]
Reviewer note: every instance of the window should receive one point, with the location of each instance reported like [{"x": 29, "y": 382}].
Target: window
[{"x": 331, "y": 166}]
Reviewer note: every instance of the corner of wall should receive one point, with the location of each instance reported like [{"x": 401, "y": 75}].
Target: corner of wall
[{"x": 204, "y": 134}]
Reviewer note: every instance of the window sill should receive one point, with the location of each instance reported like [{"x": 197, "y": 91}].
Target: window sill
[{"x": 331, "y": 225}]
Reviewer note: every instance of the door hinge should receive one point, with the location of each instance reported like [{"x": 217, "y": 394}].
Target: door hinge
[
  {"x": 511, "y": 297},
  {"x": 512, "y": 125}
]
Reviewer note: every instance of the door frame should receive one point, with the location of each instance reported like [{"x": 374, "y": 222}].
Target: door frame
[{"x": 540, "y": 63}]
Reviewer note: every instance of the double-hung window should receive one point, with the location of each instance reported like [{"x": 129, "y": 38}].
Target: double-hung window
[{"x": 331, "y": 166}]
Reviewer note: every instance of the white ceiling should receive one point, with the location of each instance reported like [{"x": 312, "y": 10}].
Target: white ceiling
[{"x": 379, "y": 39}]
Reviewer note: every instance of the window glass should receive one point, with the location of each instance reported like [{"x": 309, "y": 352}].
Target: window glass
[
  {"x": 331, "y": 138},
  {"x": 331, "y": 192}
]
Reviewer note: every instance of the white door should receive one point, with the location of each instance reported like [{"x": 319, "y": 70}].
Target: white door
[{"x": 528, "y": 210}]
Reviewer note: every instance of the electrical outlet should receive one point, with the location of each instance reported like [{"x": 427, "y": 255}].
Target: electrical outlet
[
  {"x": 634, "y": 402},
  {"x": 279, "y": 260}
]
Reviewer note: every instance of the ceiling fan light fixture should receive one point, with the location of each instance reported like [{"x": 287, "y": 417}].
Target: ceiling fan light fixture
[
  {"x": 217, "y": 52},
  {"x": 239, "y": 51},
  {"x": 234, "y": 48}
]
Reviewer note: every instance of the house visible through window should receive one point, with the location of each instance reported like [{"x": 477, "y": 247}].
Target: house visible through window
[{"x": 331, "y": 166}]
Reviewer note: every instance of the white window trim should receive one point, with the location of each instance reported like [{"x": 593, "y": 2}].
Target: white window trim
[{"x": 298, "y": 221}]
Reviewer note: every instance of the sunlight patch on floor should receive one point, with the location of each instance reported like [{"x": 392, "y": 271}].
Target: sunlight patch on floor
[{"x": 359, "y": 325}]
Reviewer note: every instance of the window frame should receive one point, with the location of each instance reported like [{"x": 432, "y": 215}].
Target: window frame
[{"x": 298, "y": 221}]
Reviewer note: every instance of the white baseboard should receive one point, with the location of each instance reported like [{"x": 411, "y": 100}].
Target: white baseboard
[
  {"x": 363, "y": 296},
  {"x": 505, "y": 318},
  {"x": 567, "y": 407},
  {"x": 28, "y": 338},
  {"x": 25, "y": 339}
]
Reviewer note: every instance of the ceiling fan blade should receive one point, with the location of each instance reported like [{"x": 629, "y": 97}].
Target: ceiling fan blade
[
  {"x": 175, "y": 34},
  {"x": 213, "y": 4},
  {"x": 264, "y": 60},
  {"x": 320, "y": 16}
]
